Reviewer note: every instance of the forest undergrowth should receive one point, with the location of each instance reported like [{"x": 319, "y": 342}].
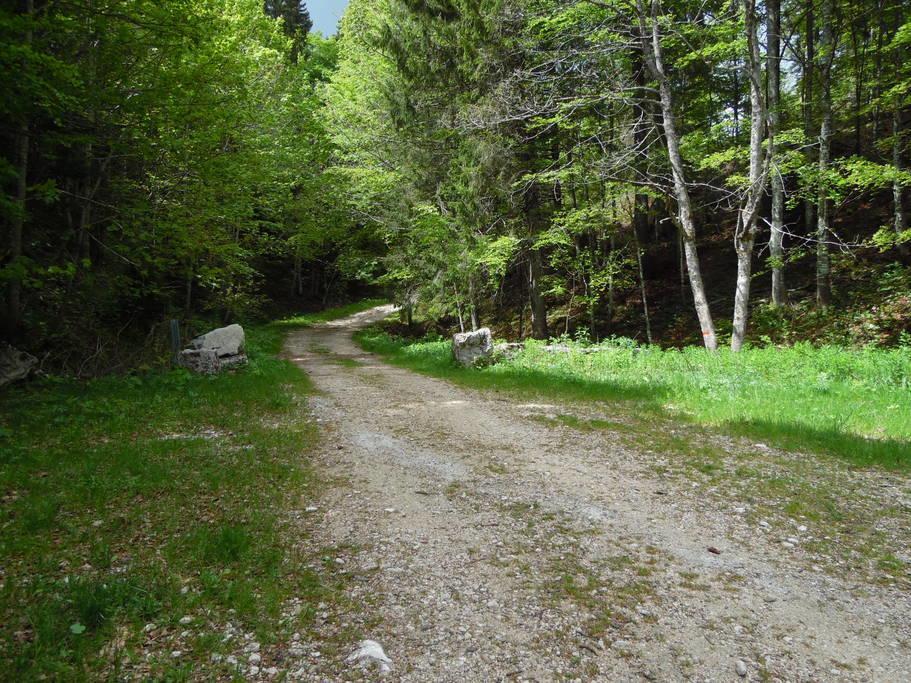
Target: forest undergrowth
[{"x": 142, "y": 514}]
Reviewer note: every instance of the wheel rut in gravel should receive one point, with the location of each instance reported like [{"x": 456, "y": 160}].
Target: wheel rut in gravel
[{"x": 483, "y": 544}]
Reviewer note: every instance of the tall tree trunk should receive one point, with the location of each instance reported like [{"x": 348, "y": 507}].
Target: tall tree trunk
[
  {"x": 188, "y": 291},
  {"x": 473, "y": 305},
  {"x": 898, "y": 208},
  {"x": 776, "y": 240},
  {"x": 641, "y": 112},
  {"x": 681, "y": 258},
  {"x": 654, "y": 59},
  {"x": 591, "y": 311},
  {"x": 297, "y": 284},
  {"x": 858, "y": 54},
  {"x": 823, "y": 204},
  {"x": 88, "y": 150},
  {"x": 14, "y": 288},
  {"x": 521, "y": 332},
  {"x": 535, "y": 298},
  {"x": 809, "y": 109},
  {"x": 610, "y": 286},
  {"x": 648, "y": 321},
  {"x": 22, "y": 142},
  {"x": 458, "y": 302},
  {"x": 85, "y": 210},
  {"x": 745, "y": 236},
  {"x": 735, "y": 101},
  {"x": 878, "y": 66}
]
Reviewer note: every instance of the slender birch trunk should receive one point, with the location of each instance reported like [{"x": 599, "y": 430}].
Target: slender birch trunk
[
  {"x": 458, "y": 301},
  {"x": 610, "y": 285},
  {"x": 776, "y": 240},
  {"x": 653, "y": 55},
  {"x": 648, "y": 321},
  {"x": 745, "y": 236},
  {"x": 809, "y": 109},
  {"x": 823, "y": 204},
  {"x": 878, "y": 67},
  {"x": 473, "y": 305},
  {"x": 898, "y": 207}
]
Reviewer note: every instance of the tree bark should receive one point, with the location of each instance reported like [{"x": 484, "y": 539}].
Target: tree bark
[
  {"x": 458, "y": 301},
  {"x": 535, "y": 298},
  {"x": 17, "y": 227},
  {"x": 809, "y": 110},
  {"x": 188, "y": 291},
  {"x": 681, "y": 259},
  {"x": 473, "y": 305},
  {"x": 640, "y": 132},
  {"x": 898, "y": 208},
  {"x": 652, "y": 53},
  {"x": 745, "y": 236},
  {"x": 610, "y": 285},
  {"x": 14, "y": 291},
  {"x": 776, "y": 240},
  {"x": 648, "y": 322},
  {"x": 823, "y": 204},
  {"x": 878, "y": 67},
  {"x": 859, "y": 52},
  {"x": 297, "y": 288}
]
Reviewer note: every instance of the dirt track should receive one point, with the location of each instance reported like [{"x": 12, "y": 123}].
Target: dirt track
[{"x": 494, "y": 546}]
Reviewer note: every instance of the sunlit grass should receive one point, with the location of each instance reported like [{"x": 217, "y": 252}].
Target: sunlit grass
[{"x": 848, "y": 403}]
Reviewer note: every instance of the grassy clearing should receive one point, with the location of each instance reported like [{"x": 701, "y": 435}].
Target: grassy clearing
[
  {"x": 147, "y": 500},
  {"x": 852, "y": 404}
]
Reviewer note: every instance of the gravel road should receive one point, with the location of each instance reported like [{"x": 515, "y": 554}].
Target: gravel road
[{"x": 482, "y": 543}]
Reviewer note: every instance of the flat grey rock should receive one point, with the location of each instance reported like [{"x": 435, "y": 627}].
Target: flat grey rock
[
  {"x": 215, "y": 351},
  {"x": 224, "y": 341}
]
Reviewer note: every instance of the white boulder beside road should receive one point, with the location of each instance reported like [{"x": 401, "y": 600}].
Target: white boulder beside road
[
  {"x": 215, "y": 351},
  {"x": 225, "y": 341},
  {"x": 470, "y": 348}
]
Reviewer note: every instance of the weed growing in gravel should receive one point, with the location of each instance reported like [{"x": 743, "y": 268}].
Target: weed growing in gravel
[{"x": 347, "y": 362}]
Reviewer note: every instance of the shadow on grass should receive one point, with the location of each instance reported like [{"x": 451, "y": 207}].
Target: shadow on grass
[
  {"x": 434, "y": 359},
  {"x": 858, "y": 450}
]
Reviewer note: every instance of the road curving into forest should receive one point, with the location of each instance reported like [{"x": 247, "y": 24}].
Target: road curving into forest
[{"x": 481, "y": 543}]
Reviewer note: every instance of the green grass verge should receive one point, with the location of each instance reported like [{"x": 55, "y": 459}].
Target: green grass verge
[
  {"x": 144, "y": 499},
  {"x": 855, "y": 405}
]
